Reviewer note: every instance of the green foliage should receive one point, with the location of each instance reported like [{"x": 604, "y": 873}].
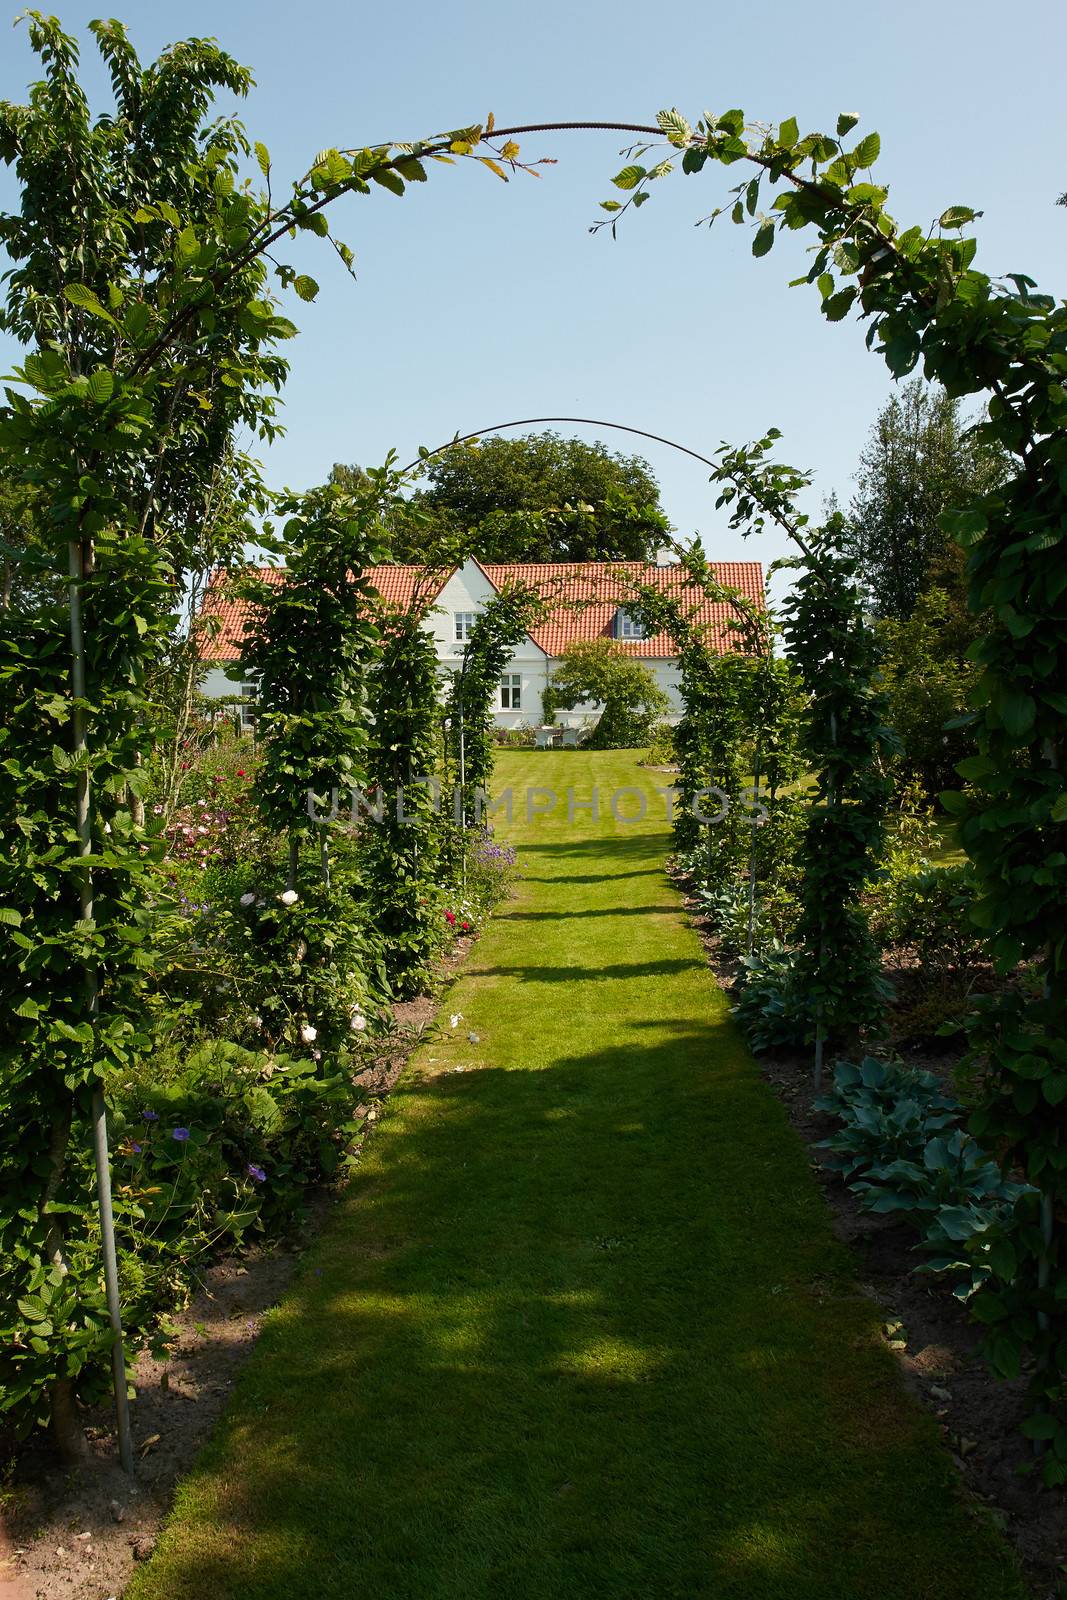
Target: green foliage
[
  {"x": 311, "y": 642},
  {"x": 844, "y": 739},
  {"x": 662, "y": 751},
  {"x": 140, "y": 290},
  {"x": 928, "y": 686},
  {"x": 919, "y": 461},
  {"x": 404, "y": 851},
  {"x": 924, "y": 301},
  {"x": 928, "y": 912},
  {"x": 771, "y": 1002},
  {"x": 539, "y": 498},
  {"x": 501, "y": 624},
  {"x": 261, "y": 1127},
  {"x": 598, "y": 672},
  {"x": 901, "y": 1148}
]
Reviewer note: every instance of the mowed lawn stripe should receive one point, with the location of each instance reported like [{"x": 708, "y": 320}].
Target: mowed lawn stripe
[{"x": 579, "y": 1326}]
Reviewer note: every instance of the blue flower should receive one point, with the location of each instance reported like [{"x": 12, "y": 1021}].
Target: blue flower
[
  {"x": 256, "y": 1172},
  {"x": 136, "y": 1148},
  {"x": 181, "y": 1134},
  {"x": 150, "y": 1116}
]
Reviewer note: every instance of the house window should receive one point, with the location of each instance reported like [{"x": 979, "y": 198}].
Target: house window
[
  {"x": 249, "y": 692},
  {"x": 627, "y": 627},
  {"x": 464, "y": 625},
  {"x": 511, "y": 692}
]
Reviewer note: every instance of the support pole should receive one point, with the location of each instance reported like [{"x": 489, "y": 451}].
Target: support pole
[
  {"x": 80, "y": 566},
  {"x": 111, "y": 1279},
  {"x": 752, "y": 857}
]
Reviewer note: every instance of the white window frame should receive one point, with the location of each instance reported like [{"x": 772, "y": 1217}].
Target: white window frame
[
  {"x": 627, "y": 627},
  {"x": 511, "y": 691},
  {"x": 463, "y": 623},
  {"x": 249, "y": 691}
]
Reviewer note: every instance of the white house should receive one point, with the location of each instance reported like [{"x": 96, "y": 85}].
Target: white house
[{"x": 590, "y": 604}]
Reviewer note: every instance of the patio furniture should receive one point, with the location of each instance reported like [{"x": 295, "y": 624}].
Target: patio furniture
[
  {"x": 569, "y": 740},
  {"x": 545, "y": 738}
]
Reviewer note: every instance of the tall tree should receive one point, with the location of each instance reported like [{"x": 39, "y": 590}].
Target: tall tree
[
  {"x": 536, "y": 498},
  {"x": 920, "y": 460}
]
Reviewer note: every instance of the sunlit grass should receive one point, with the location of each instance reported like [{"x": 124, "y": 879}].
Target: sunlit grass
[{"x": 579, "y": 1328}]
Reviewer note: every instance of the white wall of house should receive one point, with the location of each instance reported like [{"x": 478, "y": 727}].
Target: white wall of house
[
  {"x": 466, "y": 593},
  {"x": 220, "y": 681}
]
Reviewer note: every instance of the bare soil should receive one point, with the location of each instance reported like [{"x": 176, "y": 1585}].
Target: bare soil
[
  {"x": 75, "y": 1533},
  {"x": 929, "y": 1331}
]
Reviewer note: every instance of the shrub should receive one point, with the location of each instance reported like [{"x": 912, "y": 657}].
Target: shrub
[
  {"x": 928, "y": 912},
  {"x": 771, "y": 1003},
  {"x": 902, "y": 1148},
  {"x": 661, "y": 750},
  {"x": 597, "y": 671}
]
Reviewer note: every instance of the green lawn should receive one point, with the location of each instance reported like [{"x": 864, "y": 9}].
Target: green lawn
[{"x": 579, "y": 1327}]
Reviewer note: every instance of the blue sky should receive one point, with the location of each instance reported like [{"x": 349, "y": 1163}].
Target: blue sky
[{"x": 477, "y": 302}]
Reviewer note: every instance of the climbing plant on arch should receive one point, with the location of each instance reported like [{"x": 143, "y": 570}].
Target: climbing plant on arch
[
  {"x": 159, "y": 336},
  {"x": 924, "y": 301}
]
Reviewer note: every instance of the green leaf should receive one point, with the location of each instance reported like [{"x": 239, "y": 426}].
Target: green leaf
[
  {"x": 1039, "y": 1426},
  {"x": 846, "y": 122},
  {"x": 955, "y": 217},
  {"x": 263, "y": 157},
  {"x": 412, "y": 170},
  {"x": 305, "y": 287},
  {"x": 839, "y": 305},
  {"x": 675, "y": 127},
  {"x": 789, "y": 132},
  {"x": 763, "y": 240},
  {"x": 101, "y": 386},
  {"x": 389, "y": 180},
  {"x": 866, "y": 152},
  {"x": 629, "y": 177},
  {"x": 1017, "y": 713},
  {"x": 84, "y": 298}
]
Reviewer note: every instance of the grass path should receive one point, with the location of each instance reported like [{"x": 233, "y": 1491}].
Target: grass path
[{"x": 579, "y": 1327}]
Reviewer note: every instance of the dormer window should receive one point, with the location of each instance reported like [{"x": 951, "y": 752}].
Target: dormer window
[
  {"x": 464, "y": 621},
  {"x": 627, "y": 627}
]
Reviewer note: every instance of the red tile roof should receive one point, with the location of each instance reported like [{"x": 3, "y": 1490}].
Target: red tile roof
[{"x": 589, "y": 595}]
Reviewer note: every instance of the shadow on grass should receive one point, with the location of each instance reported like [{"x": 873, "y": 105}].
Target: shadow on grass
[
  {"x": 592, "y": 911},
  {"x": 619, "y": 971},
  {"x": 578, "y": 1332}
]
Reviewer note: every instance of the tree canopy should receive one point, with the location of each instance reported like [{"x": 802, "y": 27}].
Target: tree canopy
[
  {"x": 540, "y": 497},
  {"x": 598, "y": 672},
  {"x": 920, "y": 460}
]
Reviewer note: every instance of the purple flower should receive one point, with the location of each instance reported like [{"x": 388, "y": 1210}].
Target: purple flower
[
  {"x": 136, "y": 1148},
  {"x": 181, "y": 1134},
  {"x": 256, "y": 1172},
  {"x": 150, "y": 1116}
]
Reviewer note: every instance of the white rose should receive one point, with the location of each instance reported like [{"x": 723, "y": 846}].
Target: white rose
[
  {"x": 289, "y": 897},
  {"x": 247, "y": 899},
  {"x": 308, "y": 1033},
  {"x": 357, "y": 1022}
]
